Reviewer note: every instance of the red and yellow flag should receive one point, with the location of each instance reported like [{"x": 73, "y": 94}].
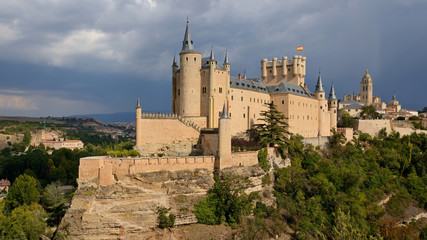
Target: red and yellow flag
[{"x": 300, "y": 48}]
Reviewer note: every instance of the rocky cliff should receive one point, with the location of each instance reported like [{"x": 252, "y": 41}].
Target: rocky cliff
[{"x": 128, "y": 209}]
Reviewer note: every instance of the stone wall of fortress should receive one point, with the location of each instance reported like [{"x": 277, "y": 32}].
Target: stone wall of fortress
[
  {"x": 104, "y": 168},
  {"x": 169, "y": 135},
  {"x": 372, "y": 127}
]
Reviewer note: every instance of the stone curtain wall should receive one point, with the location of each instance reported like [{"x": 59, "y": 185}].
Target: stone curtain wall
[
  {"x": 245, "y": 159},
  {"x": 372, "y": 127},
  {"x": 104, "y": 168}
]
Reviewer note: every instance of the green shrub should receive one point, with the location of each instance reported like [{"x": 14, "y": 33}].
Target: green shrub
[
  {"x": 262, "y": 159},
  {"x": 165, "y": 221}
]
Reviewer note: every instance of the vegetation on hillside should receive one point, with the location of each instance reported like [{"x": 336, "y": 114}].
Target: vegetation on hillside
[{"x": 332, "y": 193}]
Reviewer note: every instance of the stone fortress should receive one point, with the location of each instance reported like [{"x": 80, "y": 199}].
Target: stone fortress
[{"x": 209, "y": 106}]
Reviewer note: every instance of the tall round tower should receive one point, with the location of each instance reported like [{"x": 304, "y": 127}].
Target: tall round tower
[
  {"x": 333, "y": 107},
  {"x": 190, "y": 79},
  {"x": 320, "y": 96}
]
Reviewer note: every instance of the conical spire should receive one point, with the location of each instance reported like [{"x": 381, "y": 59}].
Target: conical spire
[
  {"x": 212, "y": 58},
  {"x": 332, "y": 95},
  {"x": 244, "y": 73},
  {"x": 138, "y": 103},
  {"x": 224, "y": 113},
  {"x": 226, "y": 57},
  {"x": 319, "y": 85},
  {"x": 187, "y": 44},
  {"x": 174, "y": 64},
  {"x": 394, "y": 97}
]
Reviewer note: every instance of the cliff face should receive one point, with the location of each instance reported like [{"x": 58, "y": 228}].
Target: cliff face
[{"x": 128, "y": 209}]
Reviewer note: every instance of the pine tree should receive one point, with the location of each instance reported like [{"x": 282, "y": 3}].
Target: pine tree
[{"x": 274, "y": 130}]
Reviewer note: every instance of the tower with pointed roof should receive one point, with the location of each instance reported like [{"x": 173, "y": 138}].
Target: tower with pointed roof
[
  {"x": 333, "y": 107},
  {"x": 224, "y": 141},
  {"x": 188, "y": 85},
  {"x": 366, "y": 89},
  {"x": 212, "y": 89},
  {"x": 323, "y": 107}
]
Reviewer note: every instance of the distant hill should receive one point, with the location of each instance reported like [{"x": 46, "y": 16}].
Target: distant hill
[{"x": 111, "y": 117}]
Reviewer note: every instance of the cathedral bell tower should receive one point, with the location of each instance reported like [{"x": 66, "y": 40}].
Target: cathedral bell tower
[{"x": 366, "y": 89}]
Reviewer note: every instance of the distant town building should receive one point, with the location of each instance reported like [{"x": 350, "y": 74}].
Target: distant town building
[
  {"x": 4, "y": 185},
  {"x": 69, "y": 144},
  {"x": 353, "y": 103}
]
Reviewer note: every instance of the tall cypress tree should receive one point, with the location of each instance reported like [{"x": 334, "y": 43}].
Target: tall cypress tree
[{"x": 274, "y": 130}]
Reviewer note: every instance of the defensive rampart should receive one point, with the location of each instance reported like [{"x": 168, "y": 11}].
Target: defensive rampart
[
  {"x": 105, "y": 168},
  {"x": 372, "y": 127}
]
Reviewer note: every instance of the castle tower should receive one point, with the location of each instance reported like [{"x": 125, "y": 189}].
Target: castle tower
[
  {"x": 320, "y": 96},
  {"x": 189, "y": 77},
  {"x": 366, "y": 89},
  {"x": 227, "y": 90},
  {"x": 175, "y": 85},
  {"x": 212, "y": 89},
  {"x": 138, "y": 126},
  {"x": 333, "y": 106},
  {"x": 224, "y": 141}
]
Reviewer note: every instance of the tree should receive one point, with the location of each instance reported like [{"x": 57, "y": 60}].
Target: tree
[
  {"x": 369, "y": 112},
  {"x": 346, "y": 120},
  {"x": 274, "y": 129},
  {"x": 23, "y": 192}
]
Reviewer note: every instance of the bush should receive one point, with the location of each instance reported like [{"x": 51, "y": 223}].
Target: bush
[
  {"x": 165, "y": 221},
  {"x": 400, "y": 118}
]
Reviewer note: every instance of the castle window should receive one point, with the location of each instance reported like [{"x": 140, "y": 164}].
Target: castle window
[
  {"x": 308, "y": 117},
  {"x": 272, "y": 102},
  {"x": 179, "y": 92},
  {"x": 283, "y": 101},
  {"x": 244, "y": 116},
  {"x": 289, "y": 69},
  {"x": 250, "y": 99},
  {"x": 195, "y": 59},
  {"x": 241, "y": 98},
  {"x": 204, "y": 89},
  {"x": 232, "y": 98},
  {"x": 335, "y": 111},
  {"x": 220, "y": 90},
  {"x": 321, "y": 107},
  {"x": 321, "y": 95},
  {"x": 186, "y": 58}
]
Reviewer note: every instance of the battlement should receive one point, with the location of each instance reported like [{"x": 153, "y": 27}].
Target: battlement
[
  {"x": 187, "y": 121},
  {"x": 105, "y": 169}
]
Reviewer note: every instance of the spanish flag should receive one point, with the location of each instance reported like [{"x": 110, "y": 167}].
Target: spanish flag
[{"x": 300, "y": 48}]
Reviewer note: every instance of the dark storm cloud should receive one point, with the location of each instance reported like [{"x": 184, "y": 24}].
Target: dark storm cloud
[{"x": 98, "y": 56}]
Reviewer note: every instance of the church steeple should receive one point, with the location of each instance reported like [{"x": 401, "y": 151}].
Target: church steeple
[
  {"x": 319, "y": 85},
  {"x": 187, "y": 44}
]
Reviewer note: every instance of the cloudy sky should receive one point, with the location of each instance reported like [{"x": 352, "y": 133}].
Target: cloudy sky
[{"x": 64, "y": 57}]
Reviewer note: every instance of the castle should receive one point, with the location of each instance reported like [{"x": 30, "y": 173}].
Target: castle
[
  {"x": 201, "y": 86},
  {"x": 209, "y": 106}
]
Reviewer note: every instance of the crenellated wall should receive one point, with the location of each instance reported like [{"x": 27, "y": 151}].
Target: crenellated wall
[{"x": 104, "y": 168}]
